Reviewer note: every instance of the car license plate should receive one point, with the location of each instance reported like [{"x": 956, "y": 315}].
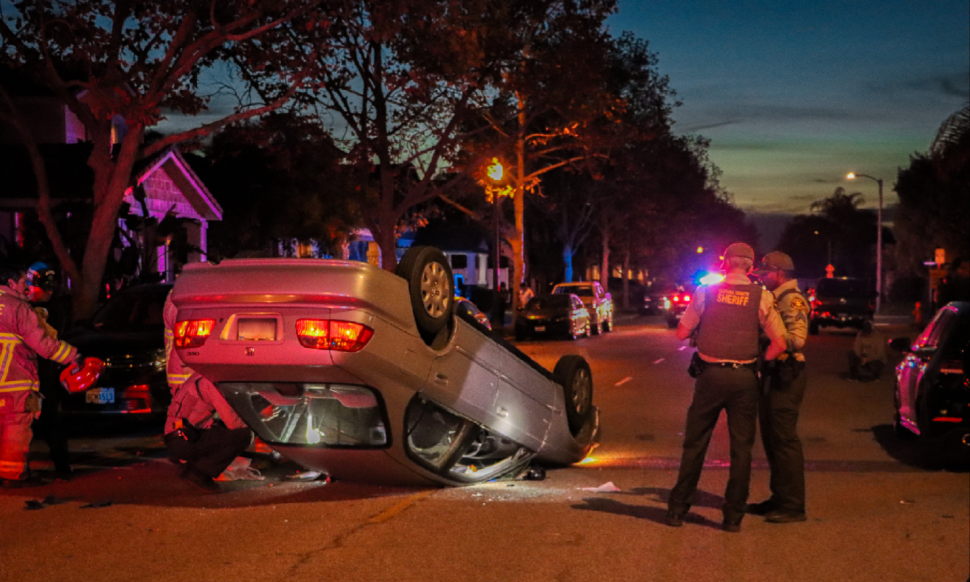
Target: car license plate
[
  {"x": 100, "y": 396},
  {"x": 540, "y": 328},
  {"x": 843, "y": 316},
  {"x": 261, "y": 329}
]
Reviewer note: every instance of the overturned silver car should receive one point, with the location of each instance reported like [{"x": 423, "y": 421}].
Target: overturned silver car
[{"x": 370, "y": 376}]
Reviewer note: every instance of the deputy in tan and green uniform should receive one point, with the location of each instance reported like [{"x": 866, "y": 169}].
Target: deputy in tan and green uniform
[
  {"x": 727, "y": 317},
  {"x": 782, "y": 397}
]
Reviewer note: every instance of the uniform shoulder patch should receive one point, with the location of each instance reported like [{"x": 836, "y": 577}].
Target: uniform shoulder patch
[{"x": 798, "y": 303}]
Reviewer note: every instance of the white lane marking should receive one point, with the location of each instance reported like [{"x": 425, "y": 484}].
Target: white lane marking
[
  {"x": 623, "y": 381},
  {"x": 658, "y": 361},
  {"x": 681, "y": 348}
]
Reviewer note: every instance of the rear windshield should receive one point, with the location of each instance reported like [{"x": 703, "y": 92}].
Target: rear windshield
[
  {"x": 582, "y": 291},
  {"x": 842, "y": 288},
  {"x": 549, "y": 302},
  {"x": 133, "y": 311}
]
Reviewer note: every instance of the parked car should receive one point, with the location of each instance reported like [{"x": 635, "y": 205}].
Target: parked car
[
  {"x": 128, "y": 334},
  {"x": 563, "y": 315},
  {"x": 841, "y": 302},
  {"x": 598, "y": 302},
  {"x": 369, "y": 375},
  {"x": 468, "y": 311},
  {"x": 932, "y": 393}
]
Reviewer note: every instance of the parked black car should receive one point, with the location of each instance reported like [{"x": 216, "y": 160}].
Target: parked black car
[
  {"x": 932, "y": 390},
  {"x": 558, "y": 314},
  {"x": 128, "y": 334},
  {"x": 841, "y": 302}
]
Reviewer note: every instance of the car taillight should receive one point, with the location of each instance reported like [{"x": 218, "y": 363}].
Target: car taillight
[
  {"x": 676, "y": 298},
  {"x": 326, "y": 334},
  {"x": 686, "y": 297},
  {"x": 192, "y": 333}
]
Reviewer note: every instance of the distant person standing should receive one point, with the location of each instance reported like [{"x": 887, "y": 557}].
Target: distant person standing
[
  {"x": 22, "y": 339},
  {"x": 781, "y": 399},
  {"x": 53, "y": 311},
  {"x": 868, "y": 356},
  {"x": 726, "y": 318}
]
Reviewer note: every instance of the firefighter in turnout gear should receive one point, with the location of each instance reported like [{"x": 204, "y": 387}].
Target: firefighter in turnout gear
[
  {"x": 22, "y": 340},
  {"x": 780, "y": 401},
  {"x": 202, "y": 432},
  {"x": 726, "y": 319}
]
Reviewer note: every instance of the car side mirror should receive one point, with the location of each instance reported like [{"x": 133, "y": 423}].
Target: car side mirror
[{"x": 901, "y": 344}]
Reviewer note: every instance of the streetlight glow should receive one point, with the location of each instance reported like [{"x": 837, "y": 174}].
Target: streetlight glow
[
  {"x": 495, "y": 171},
  {"x": 853, "y": 176}
]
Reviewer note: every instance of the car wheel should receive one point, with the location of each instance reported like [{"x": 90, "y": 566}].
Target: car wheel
[
  {"x": 901, "y": 432},
  {"x": 576, "y": 379},
  {"x": 595, "y": 326},
  {"x": 431, "y": 287},
  {"x": 813, "y": 327},
  {"x": 589, "y": 330},
  {"x": 672, "y": 322}
]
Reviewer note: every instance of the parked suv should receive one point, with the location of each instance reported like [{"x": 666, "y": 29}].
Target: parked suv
[
  {"x": 841, "y": 302},
  {"x": 598, "y": 302}
]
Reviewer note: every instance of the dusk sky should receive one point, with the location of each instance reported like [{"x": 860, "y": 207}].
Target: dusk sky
[{"x": 794, "y": 95}]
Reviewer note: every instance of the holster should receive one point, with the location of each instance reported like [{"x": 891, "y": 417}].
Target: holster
[{"x": 697, "y": 366}]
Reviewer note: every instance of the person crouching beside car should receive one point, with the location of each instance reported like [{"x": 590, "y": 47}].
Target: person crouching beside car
[
  {"x": 22, "y": 339},
  {"x": 868, "y": 356},
  {"x": 202, "y": 432}
]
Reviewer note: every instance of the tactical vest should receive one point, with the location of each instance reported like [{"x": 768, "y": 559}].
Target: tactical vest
[{"x": 729, "y": 324}]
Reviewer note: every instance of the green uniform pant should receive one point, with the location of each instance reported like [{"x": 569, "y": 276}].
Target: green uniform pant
[
  {"x": 734, "y": 390},
  {"x": 778, "y": 413}
]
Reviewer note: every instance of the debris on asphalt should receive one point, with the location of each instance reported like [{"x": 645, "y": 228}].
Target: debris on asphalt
[
  {"x": 97, "y": 504},
  {"x": 240, "y": 470},
  {"x": 33, "y": 504},
  {"x": 907, "y": 501},
  {"x": 608, "y": 487}
]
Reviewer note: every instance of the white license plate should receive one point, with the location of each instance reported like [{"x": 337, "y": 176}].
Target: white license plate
[
  {"x": 100, "y": 396},
  {"x": 540, "y": 328}
]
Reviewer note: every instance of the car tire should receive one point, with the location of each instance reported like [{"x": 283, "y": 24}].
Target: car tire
[
  {"x": 431, "y": 287},
  {"x": 813, "y": 327},
  {"x": 574, "y": 375},
  {"x": 608, "y": 324},
  {"x": 672, "y": 323},
  {"x": 901, "y": 432}
]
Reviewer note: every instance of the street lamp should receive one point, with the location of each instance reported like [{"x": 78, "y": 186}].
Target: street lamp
[
  {"x": 495, "y": 172},
  {"x": 853, "y": 176}
]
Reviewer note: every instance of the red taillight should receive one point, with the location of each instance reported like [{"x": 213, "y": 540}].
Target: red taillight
[
  {"x": 676, "y": 298},
  {"x": 313, "y": 333},
  {"x": 192, "y": 333},
  {"x": 686, "y": 297},
  {"x": 342, "y": 336}
]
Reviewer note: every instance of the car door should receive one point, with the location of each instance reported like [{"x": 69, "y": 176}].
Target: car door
[{"x": 915, "y": 363}]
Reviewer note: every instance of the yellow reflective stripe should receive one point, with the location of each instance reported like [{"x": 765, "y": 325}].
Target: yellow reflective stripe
[
  {"x": 9, "y": 336},
  {"x": 6, "y": 357},
  {"x": 19, "y": 387},
  {"x": 61, "y": 355}
]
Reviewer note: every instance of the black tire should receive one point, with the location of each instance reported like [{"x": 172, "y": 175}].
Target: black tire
[
  {"x": 672, "y": 322},
  {"x": 595, "y": 327},
  {"x": 576, "y": 378},
  {"x": 608, "y": 324},
  {"x": 813, "y": 327},
  {"x": 901, "y": 432},
  {"x": 431, "y": 287}
]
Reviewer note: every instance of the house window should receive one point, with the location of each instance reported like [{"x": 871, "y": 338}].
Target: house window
[{"x": 459, "y": 261}]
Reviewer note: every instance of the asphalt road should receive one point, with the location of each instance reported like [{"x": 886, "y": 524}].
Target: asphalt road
[{"x": 879, "y": 508}]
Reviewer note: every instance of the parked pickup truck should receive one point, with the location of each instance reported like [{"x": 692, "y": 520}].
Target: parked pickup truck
[
  {"x": 598, "y": 302},
  {"x": 374, "y": 376}
]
